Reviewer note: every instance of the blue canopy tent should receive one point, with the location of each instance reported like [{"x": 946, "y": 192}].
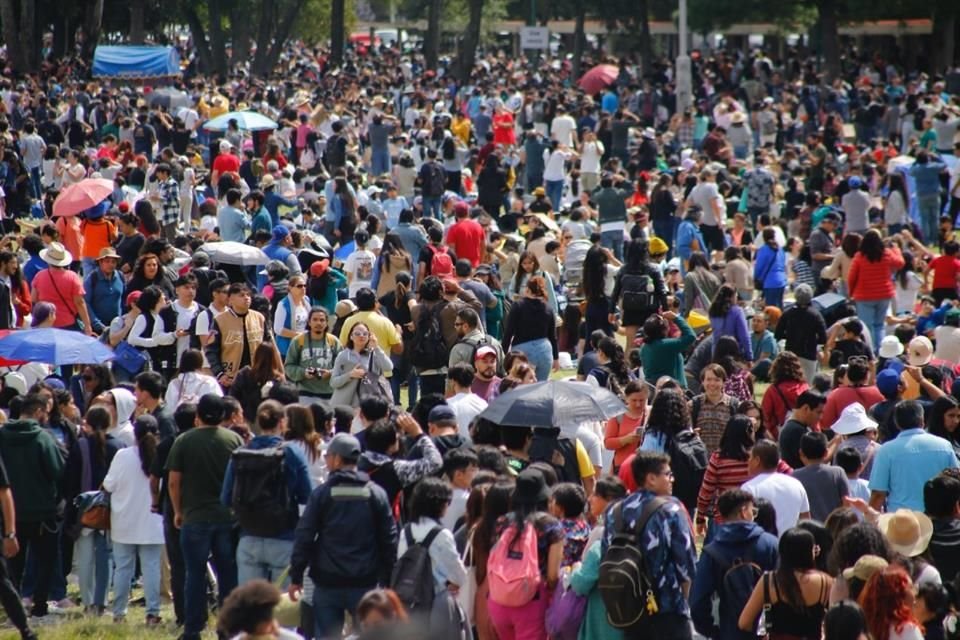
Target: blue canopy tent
[{"x": 135, "y": 62}]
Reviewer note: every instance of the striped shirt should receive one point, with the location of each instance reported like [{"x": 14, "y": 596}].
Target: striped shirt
[{"x": 723, "y": 474}]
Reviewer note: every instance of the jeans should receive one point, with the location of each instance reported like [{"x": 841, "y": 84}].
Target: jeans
[
  {"x": 379, "y": 162},
  {"x": 264, "y": 558},
  {"x": 171, "y": 538},
  {"x": 540, "y": 354},
  {"x": 554, "y": 190},
  {"x": 773, "y": 297},
  {"x": 36, "y": 185},
  {"x": 432, "y": 207},
  {"x": 396, "y": 381},
  {"x": 61, "y": 568},
  {"x": 125, "y": 556},
  {"x": 10, "y": 599},
  {"x": 198, "y": 541},
  {"x": 666, "y": 230},
  {"x": 93, "y": 567},
  {"x": 41, "y": 538},
  {"x": 613, "y": 240},
  {"x": 329, "y": 606},
  {"x": 929, "y": 211},
  {"x": 872, "y": 314}
]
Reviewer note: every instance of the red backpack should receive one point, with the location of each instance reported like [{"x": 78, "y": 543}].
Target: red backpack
[{"x": 441, "y": 264}]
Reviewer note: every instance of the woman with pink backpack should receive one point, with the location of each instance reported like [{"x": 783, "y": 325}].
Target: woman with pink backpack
[{"x": 524, "y": 566}]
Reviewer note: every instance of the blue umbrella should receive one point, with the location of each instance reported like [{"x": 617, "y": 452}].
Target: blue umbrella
[
  {"x": 343, "y": 252},
  {"x": 54, "y": 346},
  {"x": 246, "y": 120}
]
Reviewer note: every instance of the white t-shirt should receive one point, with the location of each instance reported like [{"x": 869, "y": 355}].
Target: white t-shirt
[
  {"x": 704, "y": 195},
  {"x": 905, "y": 298},
  {"x": 458, "y": 507},
  {"x": 778, "y": 237},
  {"x": 184, "y": 318},
  {"x": 553, "y": 165},
  {"x": 300, "y": 314},
  {"x": 131, "y": 520},
  {"x": 562, "y": 128},
  {"x": 948, "y": 343},
  {"x": 466, "y": 406},
  {"x": 590, "y": 157},
  {"x": 359, "y": 268},
  {"x": 785, "y": 493},
  {"x": 592, "y": 443}
]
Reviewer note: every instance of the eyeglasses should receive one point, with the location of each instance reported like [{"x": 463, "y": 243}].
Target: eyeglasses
[
  {"x": 299, "y": 286},
  {"x": 667, "y": 474},
  {"x": 360, "y": 334}
]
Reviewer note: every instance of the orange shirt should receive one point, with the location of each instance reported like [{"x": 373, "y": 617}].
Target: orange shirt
[
  {"x": 97, "y": 235},
  {"x": 70, "y": 236},
  {"x": 618, "y": 427}
]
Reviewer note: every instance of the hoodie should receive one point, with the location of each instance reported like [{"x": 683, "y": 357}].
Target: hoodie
[
  {"x": 35, "y": 466},
  {"x": 395, "y": 474},
  {"x": 735, "y": 540},
  {"x": 126, "y": 403}
]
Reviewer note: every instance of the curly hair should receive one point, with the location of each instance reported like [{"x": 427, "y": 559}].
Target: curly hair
[
  {"x": 786, "y": 366},
  {"x": 885, "y": 601},
  {"x": 858, "y": 540},
  {"x": 669, "y": 414}
]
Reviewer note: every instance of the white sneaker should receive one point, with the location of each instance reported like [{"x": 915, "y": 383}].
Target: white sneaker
[{"x": 42, "y": 621}]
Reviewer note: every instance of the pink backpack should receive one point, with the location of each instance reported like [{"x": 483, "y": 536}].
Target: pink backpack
[{"x": 514, "y": 573}]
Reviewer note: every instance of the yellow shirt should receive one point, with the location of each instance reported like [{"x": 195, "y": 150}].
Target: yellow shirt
[
  {"x": 583, "y": 462},
  {"x": 461, "y": 128}
]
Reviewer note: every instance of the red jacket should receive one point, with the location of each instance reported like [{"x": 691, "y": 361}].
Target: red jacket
[
  {"x": 773, "y": 407},
  {"x": 869, "y": 281}
]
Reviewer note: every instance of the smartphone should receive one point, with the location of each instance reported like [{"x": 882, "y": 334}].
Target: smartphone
[{"x": 639, "y": 431}]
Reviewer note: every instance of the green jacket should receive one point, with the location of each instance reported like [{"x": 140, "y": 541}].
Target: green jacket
[
  {"x": 34, "y": 465},
  {"x": 664, "y": 357},
  {"x": 611, "y": 205},
  {"x": 303, "y": 354}
]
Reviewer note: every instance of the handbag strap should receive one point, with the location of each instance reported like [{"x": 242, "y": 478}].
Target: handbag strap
[{"x": 53, "y": 281}]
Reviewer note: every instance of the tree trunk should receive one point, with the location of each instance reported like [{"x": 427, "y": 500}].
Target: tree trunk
[
  {"x": 137, "y": 10},
  {"x": 15, "y": 54},
  {"x": 646, "y": 46},
  {"x": 91, "y": 27},
  {"x": 281, "y": 35},
  {"x": 944, "y": 35},
  {"x": 240, "y": 26},
  {"x": 432, "y": 41},
  {"x": 199, "y": 35},
  {"x": 468, "y": 46},
  {"x": 264, "y": 30},
  {"x": 29, "y": 41},
  {"x": 829, "y": 39},
  {"x": 218, "y": 49},
  {"x": 338, "y": 21},
  {"x": 579, "y": 38}
]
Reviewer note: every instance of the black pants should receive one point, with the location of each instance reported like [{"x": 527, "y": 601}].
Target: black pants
[
  {"x": 42, "y": 538},
  {"x": 433, "y": 384},
  {"x": 10, "y": 598},
  {"x": 713, "y": 236},
  {"x": 171, "y": 537},
  {"x": 663, "y": 626}
]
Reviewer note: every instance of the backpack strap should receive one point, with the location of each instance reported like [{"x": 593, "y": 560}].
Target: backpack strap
[
  {"x": 717, "y": 558},
  {"x": 697, "y": 404},
  {"x": 428, "y": 540},
  {"x": 408, "y": 534},
  {"x": 648, "y": 510}
]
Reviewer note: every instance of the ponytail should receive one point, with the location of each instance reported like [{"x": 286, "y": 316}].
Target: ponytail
[{"x": 537, "y": 287}]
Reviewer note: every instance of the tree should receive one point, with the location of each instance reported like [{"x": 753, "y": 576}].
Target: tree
[
  {"x": 137, "y": 9},
  {"x": 20, "y": 34},
  {"x": 431, "y": 42},
  {"x": 337, "y": 28},
  {"x": 470, "y": 42}
]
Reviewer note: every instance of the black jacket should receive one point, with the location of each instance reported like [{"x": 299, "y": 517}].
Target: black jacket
[{"x": 347, "y": 534}]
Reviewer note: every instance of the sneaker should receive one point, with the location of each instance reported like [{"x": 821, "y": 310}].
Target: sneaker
[
  {"x": 119, "y": 619},
  {"x": 153, "y": 621},
  {"x": 42, "y": 621},
  {"x": 66, "y": 603}
]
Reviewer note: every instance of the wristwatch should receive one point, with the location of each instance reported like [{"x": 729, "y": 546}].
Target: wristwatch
[{"x": 10, "y": 536}]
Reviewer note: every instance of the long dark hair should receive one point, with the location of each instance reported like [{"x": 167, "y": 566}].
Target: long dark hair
[
  {"x": 796, "y": 554},
  {"x": 737, "y": 439},
  {"x": 518, "y": 279},
  {"x": 904, "y": 272},
  {"x": 266, "y": 365},
  {"x": 935, "y": 419},
  {"x": 98, "y": 419},
  {"x": 301, "y": 426},
  {"x": 146, "y": 435},
  {"x": 496, "y": 504},
  {"x": 669, "y": 414},
  {"x": 872, "y": 245},
  {"x": 725, "y": 299},
  {"x": 392, "y": 246},
  {"x": 896, "y": 183},
  {"x": 617, "y": 364},
  {"x": 594, "y": 274}
]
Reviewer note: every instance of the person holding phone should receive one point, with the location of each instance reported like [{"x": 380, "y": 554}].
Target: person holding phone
[
  {"x": 362, "y": 353},
  {"x": 311, "y": 357}
]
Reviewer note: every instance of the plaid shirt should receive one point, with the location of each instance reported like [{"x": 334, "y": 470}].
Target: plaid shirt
[
  {"x": 170, "y": 195},
  {"x": 685, "y": 134}
]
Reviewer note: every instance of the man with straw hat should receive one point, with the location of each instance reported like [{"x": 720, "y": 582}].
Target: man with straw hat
[
  {"x": 63, "y": 289},
  {"x": 103, "y": 290}
]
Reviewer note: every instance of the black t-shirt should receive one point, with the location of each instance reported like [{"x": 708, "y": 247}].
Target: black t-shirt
[
  {"x": 129, "y": 248},
  {"x": 426, "y": 257}
]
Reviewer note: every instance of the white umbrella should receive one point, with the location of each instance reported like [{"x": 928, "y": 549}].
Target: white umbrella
[
  {"x": 237, "y": 253},
  {"x": 246, "y": 121}
]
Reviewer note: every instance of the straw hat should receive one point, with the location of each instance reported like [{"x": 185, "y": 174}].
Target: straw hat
[
  {"x": 107, "y": 252},
  {"x": 56, "y": 255},
  {"x": 908, "y": 532}
]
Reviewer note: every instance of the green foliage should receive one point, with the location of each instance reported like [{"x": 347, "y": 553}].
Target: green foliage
[{"x": 313, "y": 26}]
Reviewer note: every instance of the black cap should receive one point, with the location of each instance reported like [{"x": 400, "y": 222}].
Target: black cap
[{"x": 210, "y": 409}]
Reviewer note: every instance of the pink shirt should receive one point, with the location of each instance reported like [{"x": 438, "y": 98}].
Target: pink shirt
[{"x": 68, "y": 284}]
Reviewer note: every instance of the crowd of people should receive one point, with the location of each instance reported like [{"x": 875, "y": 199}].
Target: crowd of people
[{"x": 767, "y": 280}]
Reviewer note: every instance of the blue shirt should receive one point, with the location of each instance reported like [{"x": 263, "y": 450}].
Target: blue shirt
[
  {"x": 903, "y": 465},
  {"x": 261, "y": 221},
  {"x": 770, "y": 269},
  {"x": 764, "y": 343},
  {"x": 392, "y": 208},
  {"x": 927, "y": 177},
  {"x": 104, "y": 298},
  {"x": 233, "y": 224},
  {"x": 668, "y": 543},
  {"x": 272, "y": 202},
  {"x": 32, "y": 267},
  {"x": 294, "y": 467},
  {"x": 610, "y": 102},
  {"x": 687, "y": 232}
]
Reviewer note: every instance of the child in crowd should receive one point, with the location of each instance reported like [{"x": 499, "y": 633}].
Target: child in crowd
[
  {"x": 567, "y": 503},
  {"x": 851, "y": 462},
  {"x": 460, "y": 465}
]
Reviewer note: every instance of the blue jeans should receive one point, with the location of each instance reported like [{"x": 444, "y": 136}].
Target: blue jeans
[
  {"x": 774, "y": 297},
  {"x": 92, "y": 555},
  {"x": 534, "y": 180},
  {"x": 198, "y": 541},
  {"x": 264, "y": 558},
  {"x": 125, "y": 556},
  {"x": 872, "y": 314},
  {"x": 666, "y": 230},
  {"x": 540, "y": 354},
  {"x": 379, "y": 162},
  {"x": 431, "y": 207},
  {"x": 929, "y": 210},
  {"x": 36, "y": 185},
  {"x": 329, "y": 607},
  {"x": 613, "y": 240},
  {"x": 554, "y": 190}
]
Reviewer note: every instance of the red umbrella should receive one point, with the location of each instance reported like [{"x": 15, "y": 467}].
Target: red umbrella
[
  {"x": 81, "y": 196},
  {"x": 3, "y": 361},
  {"x": 601, "y": 76}
]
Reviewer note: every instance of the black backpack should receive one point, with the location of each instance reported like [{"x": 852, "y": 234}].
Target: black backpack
[
  {"x": 484, "y": 341},
  {"x": 194, "y": 338},
  {"x": 412, "y": 577},
  {"x": 558, "y": 452},
  {"x": 738, "y": 579},
  {"x": 624, "y": 578},
  {"x": 335, "y": 154},
  {"x": 435, "y": 182},
  {"x": 639, "y": 293},
  {"x": 428, "y": 349},
  {"x": 688, "y": 460},
  {"x": 261, "y": 497}
]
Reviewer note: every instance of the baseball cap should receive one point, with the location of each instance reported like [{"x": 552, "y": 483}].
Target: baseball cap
[
  {"x": 442, "y": 413},
  {"x": 865, "y": 567},
  {"x": 888, "y": 382},
  {"x": 225, "y": 146},
  {"x": 920, "y": 351},
  {"x": 210, "y": 408},
  {"x": 483, "y": 352},
  {"x": 345, "y": 446},
  {"x": 279, "y": 232}
]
